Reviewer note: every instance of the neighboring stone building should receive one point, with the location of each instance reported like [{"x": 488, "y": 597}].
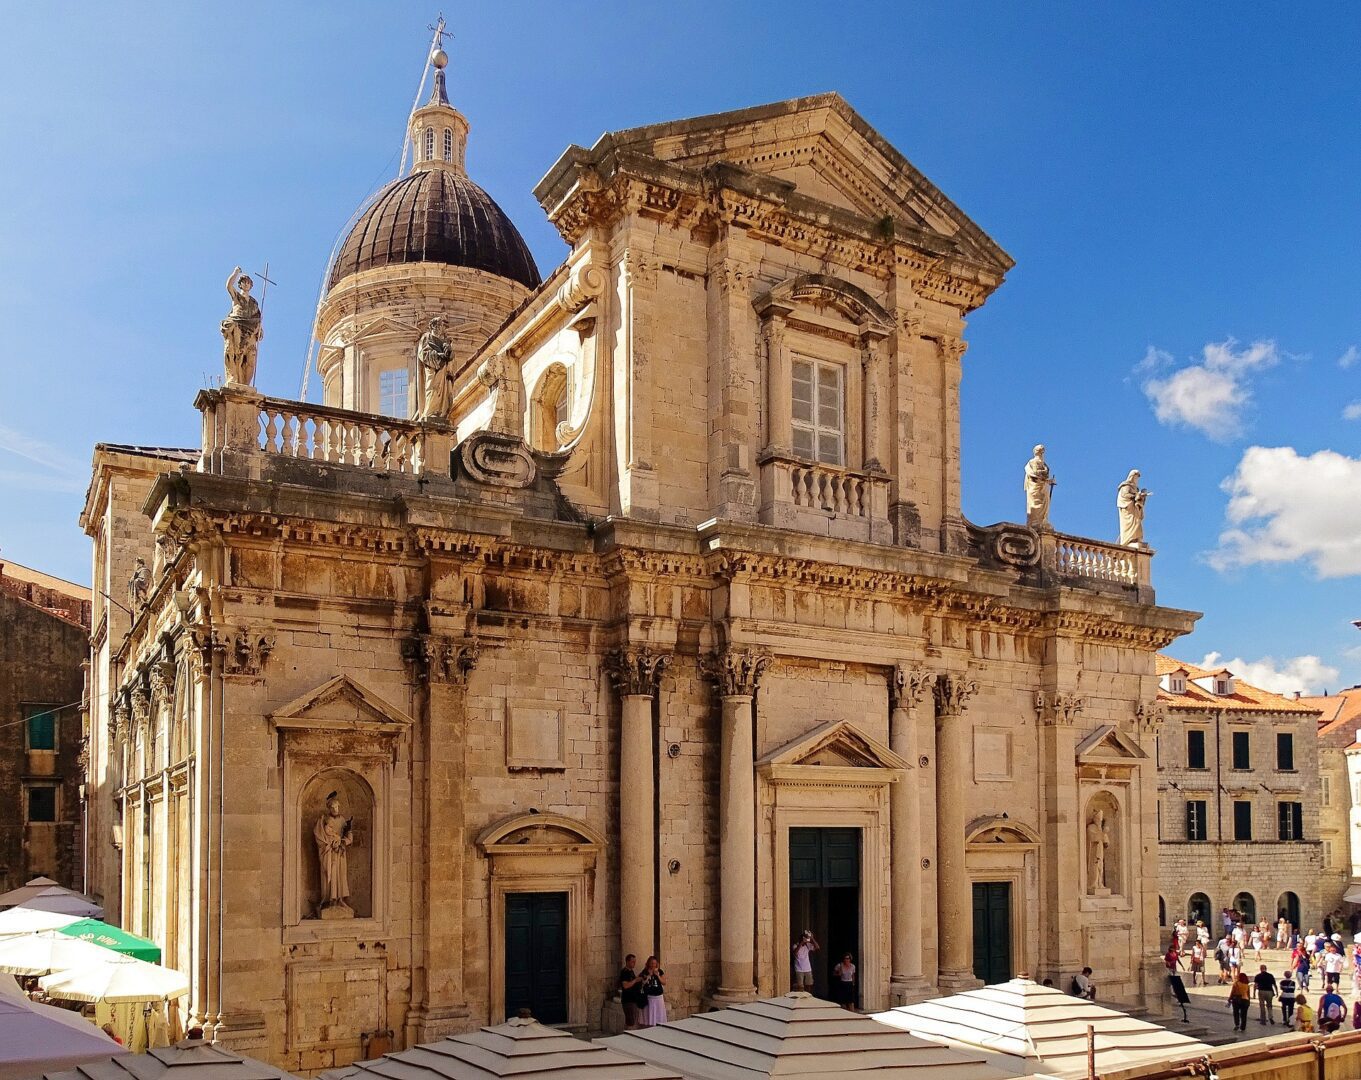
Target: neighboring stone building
[
  {"x": 44, "y": 647},
  {"x": 1339, "y": 767},
  {"x": 1238, "y": 799},
  {"x": 664, "y": 633}
]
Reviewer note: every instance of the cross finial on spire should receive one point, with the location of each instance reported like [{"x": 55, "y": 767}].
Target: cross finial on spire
[{"x": 438, "y": 59}]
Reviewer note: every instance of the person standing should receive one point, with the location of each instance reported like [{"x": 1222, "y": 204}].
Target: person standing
[
  {"x": 1236, "y": 961},
  {"x": 803, "y": 951},
  {"x": 630, "y": 993},
  {"x": 1240, "y": 996},
  {"x": 1287, "y": 986},
  {"x": 1333, "y": 963},
  {"x": 1198, "y": 963},
  {"x": 1255, "y": 942},
  {"x": 1265, "y": 984},
  {"x": 653, "y": 986},
  {"x": 843, "y": 982},
  {"x": 1222, "y": 957},
  {"x": 1282, "y": 932},
  {"x": 1302, "y": 966}
]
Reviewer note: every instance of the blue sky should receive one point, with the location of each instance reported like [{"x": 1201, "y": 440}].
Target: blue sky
[{"x": 1178, "y": 185}]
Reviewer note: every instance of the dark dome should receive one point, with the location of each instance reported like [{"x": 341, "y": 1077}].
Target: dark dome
[{"x": 439, "y": 216}]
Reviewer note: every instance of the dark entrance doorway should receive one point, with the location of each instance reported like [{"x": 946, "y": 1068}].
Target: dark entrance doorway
[
  {"x": 992, "y": 931},
  {"x": 824, "y": 897},
  {"x": 1288, "y": 907},
  {"x": 536, "y": 955}
]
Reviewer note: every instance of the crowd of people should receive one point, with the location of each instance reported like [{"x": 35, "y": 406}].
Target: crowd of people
[{"x": 1322, "y": 956}]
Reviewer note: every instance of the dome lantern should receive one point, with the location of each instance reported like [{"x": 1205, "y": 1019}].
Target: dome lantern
[{"x": 438, "y": 132}]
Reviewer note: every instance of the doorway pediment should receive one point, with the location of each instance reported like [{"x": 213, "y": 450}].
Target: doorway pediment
[
  {"x": 341, "y": 704},
  {"x": 836, "y": 751}
]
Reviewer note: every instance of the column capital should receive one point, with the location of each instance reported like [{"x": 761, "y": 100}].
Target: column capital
[
  {"x": 952, "y": 693},
  {"x": 1150, "y": 716},
  {"x": 736, "y": 672},
  {"x": 439, "y": 659},
  {"x": 908, "y": 687},
  {"x": 636, "y": 672},
  {"x": 1057, "y": 708}
]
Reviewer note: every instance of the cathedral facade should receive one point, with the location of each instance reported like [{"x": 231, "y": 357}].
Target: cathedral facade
[{"x": 630, "y": 610}]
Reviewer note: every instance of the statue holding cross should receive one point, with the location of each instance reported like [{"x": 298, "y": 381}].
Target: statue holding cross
[{"x": 242, "y": 331}]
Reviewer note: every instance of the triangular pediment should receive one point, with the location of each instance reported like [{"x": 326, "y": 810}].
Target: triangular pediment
[
  {"x": 838, "y": 744},
  {"x": 825, "y": 151},
  {"x": 1109, "y": 744},
  {"x": 341, "y": 703}
]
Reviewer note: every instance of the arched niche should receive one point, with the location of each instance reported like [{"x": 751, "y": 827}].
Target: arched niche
[
  {"x": 1103, "y": 848},
  {"x": 356, "y": 804},
  {"x": 549, "y": 408},
  {"x": 1199, "y": 909}
]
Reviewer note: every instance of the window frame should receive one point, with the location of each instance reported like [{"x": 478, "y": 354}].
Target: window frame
[
  {"x": 383, "y": 396},
  {"x": 1242, "y": 816},
  {"x": 428, "y": 144},
  {"x": 1204, "y": 758},
  {"x": 447, "y": 144},
  {"x": 1285, "y": 739},
  {"x": 1197, "y": 821},
  {"x": 1289, "y": 820},
  {"x": 1243, "y": 738},
  {"x": 31, "y": 711},
  {"x": 29, "y": 790},
  {"x": 814, "y": 427}
]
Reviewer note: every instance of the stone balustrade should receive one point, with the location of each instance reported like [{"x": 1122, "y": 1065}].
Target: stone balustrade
[
  {"x": 839, "y": 502},
  {"x": 1075, "y": 560}
]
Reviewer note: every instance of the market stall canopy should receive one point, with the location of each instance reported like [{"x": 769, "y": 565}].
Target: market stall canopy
[
  {"x": 21, "y": 920},
  {"x": 797, "y": 1035},
  {"x": 1040, "y": 1029},
  {"x": 114, "y": 939},
  {"x": 115, "y": 979},
  {"x": 522, "y": 1048},
  {"x": 51, "y": 950},
  {"x": 36, "y": 1038},
  {"x": 44, "y": 894},
  {"x": 183, "y": 1061}
]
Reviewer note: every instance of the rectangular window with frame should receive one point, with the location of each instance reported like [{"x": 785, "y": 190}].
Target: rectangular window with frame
[
  {"x": 1290, "y": 821},
  {"x": 1242, "y": 819},
  {"x": 1242, "y": 750},
  {"x": 393, "y": 387},
  {"x": 1285, "y": 751},
  {"x": 1195, "y": 749},
  {"x": 1327, "y": 854},
  {"x": 1325, "y": 791},
  {"x": 818, "y": 424},
  {"x": 40, "y": 724},
  {"x": 1196, "y": 828},
  {"x": 41, "y": 804}
]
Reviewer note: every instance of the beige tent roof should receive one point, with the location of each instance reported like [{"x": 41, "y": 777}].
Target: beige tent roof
[
  {"x": 521, "y": 1048},
  {"x": 1040, "y": 1029},
  {"x": 793, "y": 1036},
  {"x": 183, "y": 1061}
]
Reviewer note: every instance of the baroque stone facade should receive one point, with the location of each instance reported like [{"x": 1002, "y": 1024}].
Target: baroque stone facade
[{"x": 671, "y": 637}]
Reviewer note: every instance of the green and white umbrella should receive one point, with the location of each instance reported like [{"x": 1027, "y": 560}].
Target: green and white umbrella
[
  {"x": 115, "y": 979},
  {"x": 112, "y": 938}
]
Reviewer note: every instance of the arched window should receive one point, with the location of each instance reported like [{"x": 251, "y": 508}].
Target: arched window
[
  {"x": 1247, "y": 905},
  {"x": 448, "y": 145},
  {"x": 1198, "y": 908},
  {"x": 429, "y": 144}
]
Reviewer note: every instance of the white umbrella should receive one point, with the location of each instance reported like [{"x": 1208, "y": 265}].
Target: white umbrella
[
  {"x": 115, "y": 978},
  {"x": 64, "y": 902},
  {"x": 36, "y": 1039},
  {"x": 21, "y": 920},
  {"x": 38, "y": 954}
]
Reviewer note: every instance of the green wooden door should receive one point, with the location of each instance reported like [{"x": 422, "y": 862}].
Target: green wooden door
[
  {"x": 992, "y": 931},
  {"x": 536, "y": 955}
]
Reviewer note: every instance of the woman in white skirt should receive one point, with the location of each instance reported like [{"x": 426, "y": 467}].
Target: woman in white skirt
[{"x": 653, "y": 987}]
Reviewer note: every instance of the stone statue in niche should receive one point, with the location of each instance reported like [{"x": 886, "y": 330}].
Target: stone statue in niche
[
  {"x": 1129, "y": 501},
  {"x": 334, "y": 833},
  {"x": 434, "y": 355},
  {"x": 139, "y": 585},
  {"x": 1039, "y": 488},
  {"x": 1098, "y": 844},
  {"x": 242, "y": 331}
]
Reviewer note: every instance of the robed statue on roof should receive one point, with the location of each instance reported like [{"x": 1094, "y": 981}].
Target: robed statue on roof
[
  {"x": 434, "y": 355},
  {"x": 242, "y": 330}
]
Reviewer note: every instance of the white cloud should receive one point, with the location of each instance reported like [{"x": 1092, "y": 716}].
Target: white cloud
[
  {"x": 1286, "y": 508},
  {"x": 1352, "y": 411},
  {"x": 1350, "y": 357},
  {"x": 1210, "y": 396},
  {"x": 1308, "y": 674}
]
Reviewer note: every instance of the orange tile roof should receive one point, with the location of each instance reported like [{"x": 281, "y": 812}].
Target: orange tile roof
[
  {"x": 1245, "y": 697},
  {"x": 1340, "y": 711}
]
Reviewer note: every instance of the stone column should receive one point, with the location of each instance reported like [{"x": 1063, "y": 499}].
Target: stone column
[
  {"x": 954, "y": 899},
  {"x": 636, "y": 674},
  {"x": 438, "y": 996},
  {"x": 1064, "y": 843},
  {"x": 737, "y": 672},
  {"x": 953, "y": 534},
  {"x": 907, "y": 689}
]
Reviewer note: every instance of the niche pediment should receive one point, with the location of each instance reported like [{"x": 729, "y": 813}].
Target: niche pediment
[
  {"x": 338, "y": 705},
  {"x": 1109, "y": 751},
  {"x": 836, "y": 750}
]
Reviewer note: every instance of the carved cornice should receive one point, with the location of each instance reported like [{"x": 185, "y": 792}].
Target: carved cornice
[
  {"x": 1150, "y": 716},
  {"x": 636, "y": 672},
  {"x": 440, "y": 659},
  {"x": 640, "y": 270},
  {"x": 737, "y": 672},
  {"x": 952, "y": 693},
  {"x": 1058, "y": 708},
  {"x": 908, "y": 687}
]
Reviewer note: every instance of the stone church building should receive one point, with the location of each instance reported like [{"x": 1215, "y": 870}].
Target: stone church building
[{"x": 649, "y": 623}]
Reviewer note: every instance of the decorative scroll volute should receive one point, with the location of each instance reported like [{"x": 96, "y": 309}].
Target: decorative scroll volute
[
  {"x": 737, "y": 672},
  {"x": 636, "y": 672},
  {"x": 952, "y": 693},
  {"x": 1058, "y": 708},
  {"x": 908, "y": 687},
  {"x": 439, "y": 659}
]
